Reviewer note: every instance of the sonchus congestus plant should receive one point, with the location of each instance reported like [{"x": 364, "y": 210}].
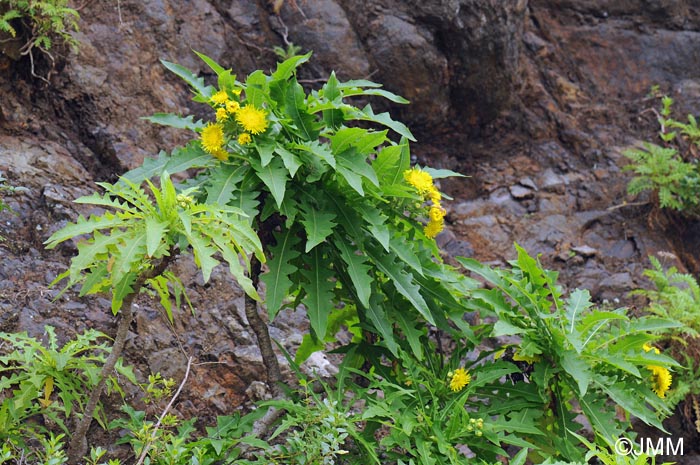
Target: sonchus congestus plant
[
  {"x": 347, "y": 225},
  {"x": 131, "y": 245}
]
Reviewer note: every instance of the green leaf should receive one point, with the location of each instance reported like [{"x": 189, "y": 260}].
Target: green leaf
[
  {"x": 229, "y": 253},
  {"x": 402, "y": 281},
  {"x": 319, "y": 292},
  {"x": 175, "y": 121},
  {"x": 223, "y": 182},
  {"x": 130, "y": 257},
  {"x": 379, "y": 92},
  {"x": 83, "y": 226},
  {"x": 578, "y": 369},
  {"x": 275, "y": 178},
  {"x": 357, "y": 163},
  {"x": 308, "y": 346},
  {"x": 225, "y": 78},
  {"x": 196, "y": 82},
  {"x": 181, "y": 159},
  {"x": 317, "y": 149},
  {"x": 277, "y": 282},
  {"x": 155, "y": 234},
  {"x": 442, "y": 173},
  {"x": 295, "y": 107},
  {"x": 378, "y": 317},
  {"x": 367, "y": 114},
  {"x": 122, "y": 289},
  {"x": 265, "y": 150},
  {"x": 357, "y": 270},
  {"x": 291, "y": 161},
  {"x": 88, "y": 251},
  {"x": 353, "y": 179},
  {"x": 287, "y": 68},
  {"x": 203, "y": 253},
  {"x": 318, "y": 225},
  {"x": 256, "y": 89}
]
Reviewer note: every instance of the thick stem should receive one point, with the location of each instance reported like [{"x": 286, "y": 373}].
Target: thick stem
[
  {"x": 274, "y": 375},
  {"x": 78, "y": 444}
]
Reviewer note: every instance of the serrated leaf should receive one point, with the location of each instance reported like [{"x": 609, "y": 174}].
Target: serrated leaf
[
  {"x": 131, "y": 255},
  {"x": 175, "y": 121},
  {"x": 203, "y": 253},
  {"x": 83, "y": 226},
  {"x": 277, "y": 282},
  {"x": 357, "y": 270},
  {"x": 274, "y": 176},
  {"x": 266, "y": 151},
  {"x": 231, "y": 256},
  {"x": 89, "y": 250},
  {"x": 408, "y": 328},
  {"x": 318, "y": 225},
  {"x": 319, "y": 292},
  {"x": 367, "y": 114},
  {"x": 225, "y": 78},
  {"x": 95, "y": 281}
]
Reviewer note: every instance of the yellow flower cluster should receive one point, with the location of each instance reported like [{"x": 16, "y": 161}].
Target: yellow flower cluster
[
  {"x": 458, "y": 379},
  {"x": 251, "y": 119},
  {"x": 661, "y": 378},
  {"x": 423, "y": 183}
]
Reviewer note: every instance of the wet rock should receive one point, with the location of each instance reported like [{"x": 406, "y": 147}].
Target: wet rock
[
  {"x": 552, "y": 182},
  {"x": 585, "y": 251},
  {"x": 521, "y": 193},
  {"x": 318, "y": 365}
]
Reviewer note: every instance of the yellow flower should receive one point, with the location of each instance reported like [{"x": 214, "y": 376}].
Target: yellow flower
[
  {"x": 221, "y": 154},
  {"x": 421, "y": 180},
  {"x": 647, "y": 347},
  {"x": 459, "y": 379},
  {"x": 660, "y": 380},
  {"x": 219, "y": 98},
  {"x": 253, "y": 120},
  {"x": 244, "y": 138},
  {"x": 436, "y": 213},
  {"x": 434, "y": 196},
  {"x": 221, "y": 115},
  {"x": 433, "y": 228},
  {"x": 213, "y": 138},
  {"x": 232, "y": 106}
]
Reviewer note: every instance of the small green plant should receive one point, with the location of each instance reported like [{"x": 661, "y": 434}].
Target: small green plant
[
  {"x": 41, "y": 21},
  {"x": 286, "y": 53},
  {"x": 49, "y": 381},
  {"x": 671, "y": 171},
  {"x": 676, "y": 296},
  {"x": 571, "y": 354}
]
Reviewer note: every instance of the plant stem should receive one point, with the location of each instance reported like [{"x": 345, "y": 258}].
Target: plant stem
[
  {"x": 274, "y": 375},
  {"x": 78, "y": 444}
]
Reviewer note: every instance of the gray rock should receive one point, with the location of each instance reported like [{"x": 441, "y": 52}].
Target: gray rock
[{"x": 521, "y": 193}]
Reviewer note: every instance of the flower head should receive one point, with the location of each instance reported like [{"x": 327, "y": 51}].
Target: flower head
[
  {"x": 244, "y": 138},
  {"x": 219, "y": 98},
  {"x": 221, "y": 115},
  {"x": 460, "y": 378},
  {"x": 419, "y": 179},
  {"x": 660, "y": 380},
  {"x": 213, "y": 138},
  {"x": 232, "y": 106},
  {"x": 253, "y": 120},
  {"x": 433, "y": 228},
  {"x": 436, "y": 213}
]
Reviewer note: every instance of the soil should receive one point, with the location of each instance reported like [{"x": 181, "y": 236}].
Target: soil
[{"x": 546, "y": 172}]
